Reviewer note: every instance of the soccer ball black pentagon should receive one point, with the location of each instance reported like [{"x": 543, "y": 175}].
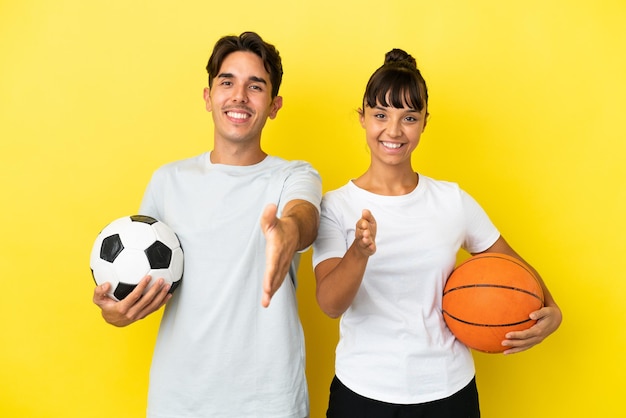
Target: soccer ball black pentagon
[{"x": 132, "y": 247}]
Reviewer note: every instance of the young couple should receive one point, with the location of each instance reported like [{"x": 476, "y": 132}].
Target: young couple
[{"x": 230, "y": 342}]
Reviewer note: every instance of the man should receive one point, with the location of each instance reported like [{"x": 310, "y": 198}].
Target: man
[{"x": 223, "y": 349}]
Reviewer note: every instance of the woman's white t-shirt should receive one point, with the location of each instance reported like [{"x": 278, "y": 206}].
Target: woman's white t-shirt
[{"x": 394, "y": 345}]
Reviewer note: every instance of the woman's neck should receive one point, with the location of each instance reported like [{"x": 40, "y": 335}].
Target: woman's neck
[{"x": 388, "y": 182}]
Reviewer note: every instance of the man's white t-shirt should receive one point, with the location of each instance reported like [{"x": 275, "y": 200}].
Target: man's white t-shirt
[{"x": 219, "y": 353}]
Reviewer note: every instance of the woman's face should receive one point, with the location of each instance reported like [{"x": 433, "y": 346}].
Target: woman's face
[{"x": 392, "y": 133}]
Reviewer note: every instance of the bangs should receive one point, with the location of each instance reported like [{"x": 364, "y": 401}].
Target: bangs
[{"x": 397, "y": 88}]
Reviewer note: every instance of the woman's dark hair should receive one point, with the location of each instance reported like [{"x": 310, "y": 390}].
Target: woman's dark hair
[
  {"x": 397, "y": 83},
  {"x": 251, "y": 42}
]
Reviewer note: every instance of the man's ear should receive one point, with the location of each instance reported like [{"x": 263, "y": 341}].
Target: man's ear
[
  {"x": 277, "y": 103},
  {"x": 206, "y": 93}
]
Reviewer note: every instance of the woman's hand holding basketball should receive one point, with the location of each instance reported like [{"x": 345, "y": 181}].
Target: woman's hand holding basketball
[{"x": 548, "y": 320}]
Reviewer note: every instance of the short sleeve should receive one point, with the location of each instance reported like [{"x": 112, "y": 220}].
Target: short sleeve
[
  {"x": 481, "y": 233},
  {"x": 331, "y": 240},
  {"x": 302, "y": 183}
]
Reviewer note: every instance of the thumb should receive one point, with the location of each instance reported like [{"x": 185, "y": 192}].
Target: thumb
[
  {"x": 537, "y": 315},
  {"x": 268, "y": 217},
  {"x": 102, "y": 289},
  {"x": 367, "y": 215},
  {"x": 100, "y": 293}
]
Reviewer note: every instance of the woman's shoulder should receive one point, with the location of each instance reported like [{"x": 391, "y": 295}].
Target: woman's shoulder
[
  {"x": 439, "y": 185},
  {"x": 342, "y": 192}
]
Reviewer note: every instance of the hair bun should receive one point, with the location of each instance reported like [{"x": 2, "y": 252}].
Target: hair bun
[{"x": 401, "y": 57}]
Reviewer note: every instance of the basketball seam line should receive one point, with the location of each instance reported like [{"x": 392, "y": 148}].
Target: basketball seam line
[
  {"x": 486, "y": 325},
  {"x": 468, "y": 286},
  {"x": 511, "y": 259}
]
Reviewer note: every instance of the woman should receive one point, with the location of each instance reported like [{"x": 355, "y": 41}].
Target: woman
[{"x": 387, "y": 242}]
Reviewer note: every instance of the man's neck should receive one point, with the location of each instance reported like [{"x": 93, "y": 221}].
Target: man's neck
[{"x": 237, "y": 155}]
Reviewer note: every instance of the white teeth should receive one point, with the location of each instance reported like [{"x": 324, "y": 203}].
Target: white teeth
[
  {"x": 391, "y": 145},
  {"x": 237, "y": 115}
]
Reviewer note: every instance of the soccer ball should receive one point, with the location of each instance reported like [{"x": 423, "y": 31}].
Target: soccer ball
[{"x": 130, "y": 248}]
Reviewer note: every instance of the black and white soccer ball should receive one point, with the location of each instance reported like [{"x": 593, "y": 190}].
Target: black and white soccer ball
[{"x": 130, "y": 248}]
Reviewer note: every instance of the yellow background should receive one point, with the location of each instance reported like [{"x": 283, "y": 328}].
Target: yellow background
[{"x": 527, "y": 114}]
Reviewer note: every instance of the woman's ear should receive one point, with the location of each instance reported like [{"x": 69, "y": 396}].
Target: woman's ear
[{"x": 361, "y": 116}]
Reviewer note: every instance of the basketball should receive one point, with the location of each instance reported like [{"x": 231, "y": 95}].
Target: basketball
[{"x": 487, "y": 296}]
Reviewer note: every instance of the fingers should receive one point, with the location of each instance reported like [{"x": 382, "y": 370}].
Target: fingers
[
  {"x": 365, "y": 233},
  {"x": 541, "y": 314},
  {"x": 155, "y": 303},
  {"x": 367, "y": 215},
  {"x": 277, "y": 267},
  {"x": 265, "y": 299},
  {"x": 268, "y": 279},
  {"x": 271, "y": 284},
  {"x": 138, "y": 292},
  {"x": 516, "y": 350},
  {"x": 137, "y": 305},
  {"x": 140, "y": 300},
  {"x": 281, "y": 244},
  {"x": 523, "y": 340}
]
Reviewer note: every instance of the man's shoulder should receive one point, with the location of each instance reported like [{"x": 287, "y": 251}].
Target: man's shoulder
[
  {"x": 279, "y": 161},
  {"x": 290, "y": 167},
  {"x": 195, "y": 160},
  {"x": 190, "y": 163}
]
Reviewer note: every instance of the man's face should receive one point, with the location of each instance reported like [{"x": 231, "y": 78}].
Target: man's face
[{"x": 240, "y": 99}]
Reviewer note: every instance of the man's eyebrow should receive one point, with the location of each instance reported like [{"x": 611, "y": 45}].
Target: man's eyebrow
[
  {"x": 258, "y": 79},
  {"x": 251, "y": 78}
]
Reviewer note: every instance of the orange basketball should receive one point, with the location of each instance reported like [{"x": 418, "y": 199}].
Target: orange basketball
[{"x": 488, "y": 296}]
